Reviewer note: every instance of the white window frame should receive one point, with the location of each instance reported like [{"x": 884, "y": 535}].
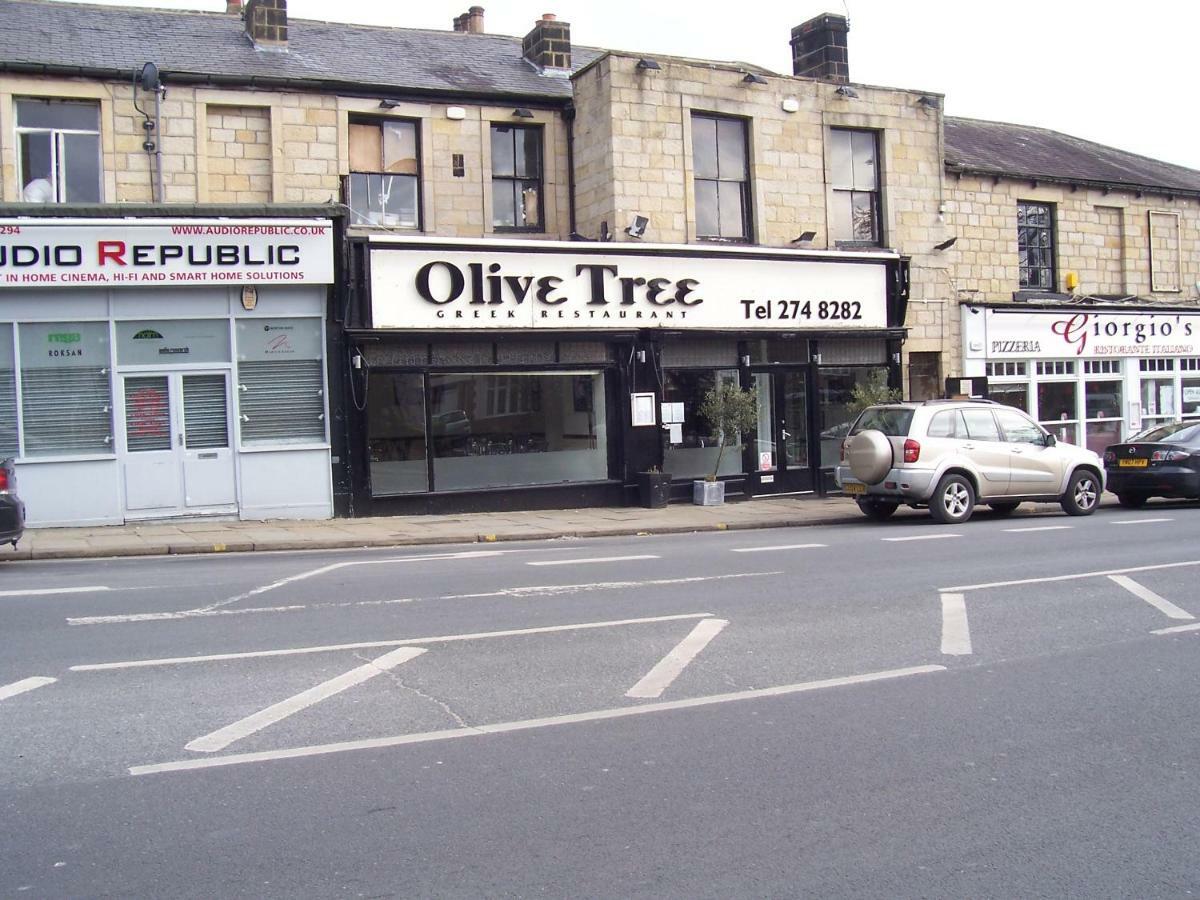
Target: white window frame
[{"x": 57, "y": 173}]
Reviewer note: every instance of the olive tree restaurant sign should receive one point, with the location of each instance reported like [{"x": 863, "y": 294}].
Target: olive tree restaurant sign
[
  {"x": 118, "y": 252},
  {"x": 1075, "y": 333},
  {"x": 560, "y": 285}
]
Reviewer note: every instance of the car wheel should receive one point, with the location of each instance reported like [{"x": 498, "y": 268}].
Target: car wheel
[
  {"x": 1132, "y": 501},
  {"x": 953, "y": 501},
  {"x": 1083, "y": 494},
  {"x": 1000, "y": 510},
  {"x": 877, "y": 510}
]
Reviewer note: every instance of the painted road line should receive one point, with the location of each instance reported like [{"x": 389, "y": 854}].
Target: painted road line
[
  {"x": 956, "y": 632},
  {"x": 780, "y": 547},
  {"x": 45, "y": 592},
  {"x": 921, "y": 537},
  {"x": 555, "y": 589},
  {"x": 370, "y": 645},
  {"x": 1166, "y": 607},
  {"x": 277, "y": 712},
  {"x": 658, "y": 679},
  {"x": 234, "y": 759},
  {"x": 1073, "y": 577},
  {"x": 592, "y": 559},
  {"x": 1137, "y": 521},
  {"x": 1177, "y": 629},
  {"x": 1041, "y": 528},
  {"x": 24, "y": 685}
]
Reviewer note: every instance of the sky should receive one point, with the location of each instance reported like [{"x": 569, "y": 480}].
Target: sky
[{"x": 1119, "y": 73}]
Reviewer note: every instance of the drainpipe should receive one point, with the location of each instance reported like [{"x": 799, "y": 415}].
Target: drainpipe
[
  {"x": 158, "y": 167},
  {"x": 569, "y": 118}
]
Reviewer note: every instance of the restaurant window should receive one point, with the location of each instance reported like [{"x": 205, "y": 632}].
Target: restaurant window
[
  {"x": 281, "y": 381},
  {"x": 58, "y": 143},
  {"x": 693, "y": 446},
  {"x": 384, "y": 184},
  {"x": 1035, "y": 245},
  {"x": 721, "y": 177},
  {"x": 396, "y": 433},
  {"x": 1189, "y": 381},
  {"x": 1057, "y": 399},
  {"x": 854, "y": 157},
  {"x": 66, "y": 389},
  {"x": 517, "y": 178},
  {"x": 1009, "y": 384},
  {"x": 1103, "y": 403},
  {"x": 837, "y": 408}
]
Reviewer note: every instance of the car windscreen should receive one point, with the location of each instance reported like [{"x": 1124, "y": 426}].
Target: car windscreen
[
  {"x": 1173, "y": 432},
  {"x": 892, "y": 421}
]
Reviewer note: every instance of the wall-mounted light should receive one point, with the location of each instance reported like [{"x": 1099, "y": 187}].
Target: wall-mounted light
[
  {"x": 388, "y": 104},
  {"x": 929, "y": 102},
  {"x": 249, "y": 297},
  {"x": 845, "y": 90},
  {"x": 646, "y": 64},
  {"x": 1071, "y": 281},
  {"x": 790, "y": 105},
  {"x": 805, "y": 237},
  {"x": 522, "y": 113},
  {"x": 638, "y": 228},
  {"x": 456, "y": 113},
  {"x": 946, "y": 244},
  {"x": 751, "y": 78},
  {"x": 745, "y": 360}
]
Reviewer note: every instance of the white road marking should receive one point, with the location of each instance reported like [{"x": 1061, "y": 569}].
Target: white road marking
[
  {"x": 1177, "y": 629},
  {"x": 25, "y": 684},
  {"x": 591, "y": 559},
  {"x": 1074, "y": 577},
  {"x": 1137, "y": 521},
  {"x": 1144, "y": 593},
  {"x": 44, "y": 592},
  {"x": 277, "y": 712},
  {"x": 368, "y": 645},
  {"x": 552, "y": 589},
  {"x": 956, "y": 631},
  {"x": 922, "y": 537},
  {"x": 1041, "y": 528},
  {"x": 126, "y": 618},
  {"x": 658, "y": 679},
  {"x": 528, "y": 724},
  {"x": 780, "y": 547}
]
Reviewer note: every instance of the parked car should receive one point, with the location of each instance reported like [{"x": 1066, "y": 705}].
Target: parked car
[
  {"x": 948, "y": 455},
  {"x": 12, "y": 510},
  {"x": 1162, "y": 461}
]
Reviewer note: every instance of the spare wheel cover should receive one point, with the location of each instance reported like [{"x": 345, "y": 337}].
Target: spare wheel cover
[{"x": 869, "y": 454}]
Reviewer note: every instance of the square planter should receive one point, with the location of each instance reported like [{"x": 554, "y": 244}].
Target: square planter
[
  {"x": 654, "y": 489},
  {"x": 708, "y": 493}
]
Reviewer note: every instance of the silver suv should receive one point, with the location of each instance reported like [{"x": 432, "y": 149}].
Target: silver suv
[{"x": 950, "y": 454}]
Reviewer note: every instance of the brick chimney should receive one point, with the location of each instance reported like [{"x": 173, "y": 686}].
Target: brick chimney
[
  {"x": 548, "y": 46},
  {"x": 266, "y": 24},
  {"x": 819, "y": 49},
  {"x": 233, "y": 7},
  {"x": 470, "y": 22}
]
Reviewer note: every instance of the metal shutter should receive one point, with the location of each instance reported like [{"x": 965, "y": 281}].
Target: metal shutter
[
  {"x": 205, "y": 422},
  {"x": 281, "y": 401},
  {"x": 67, "y": 410}
]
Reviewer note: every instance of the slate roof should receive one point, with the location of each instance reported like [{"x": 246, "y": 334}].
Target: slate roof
[
  {"x": 997, "y": 148},
  {"x": 61, "y": 37}
]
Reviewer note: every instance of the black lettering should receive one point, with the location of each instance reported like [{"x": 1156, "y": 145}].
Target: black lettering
[
  {"x": 627, "y": 286},
  {"x": 546, "y": 286},
  {"x": 685, "y": 286},
  {"x": 476, "y": 282},
  {"x": 143, "y": 255},
  {"x": 170, "y": 251},
  {"x": 68, "y": 255},
  {"x": 494, "y": 285},
  {"x": 654, "y": 290},
  {"x": 519, "y": 287},
  {"x": 457, "y": 282},
  {"x": 227, "y": 255},
  {"x": 596, "y": 281}
]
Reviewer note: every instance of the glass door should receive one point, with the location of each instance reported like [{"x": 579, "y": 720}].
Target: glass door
[{"x": 781, "y": 456}]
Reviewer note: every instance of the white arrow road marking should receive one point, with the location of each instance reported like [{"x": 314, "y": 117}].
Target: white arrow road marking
[
  {"x": 593, "y": 559},
  {"x": 223, "y": 737},
  {"x": 25, "y": 684},
  {"x": 1049, "y": 578},
  {"x": 668, "y": 668},
  {"x": 956, "y": 631},
  {"x": 1144, "y": 593},
  {"x": 233, "y": 759}
]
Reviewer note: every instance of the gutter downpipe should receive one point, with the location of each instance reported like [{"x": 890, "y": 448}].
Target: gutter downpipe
[
  {"x": 569, "y": 118},
  {"x": 158, "y": 153}
]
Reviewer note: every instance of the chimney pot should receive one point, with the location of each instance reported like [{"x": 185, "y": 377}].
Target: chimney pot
[
  {"x": 548, "y": 45},
  {"x": 233, "y": 7},
  {"x": 819, "y": 48}
]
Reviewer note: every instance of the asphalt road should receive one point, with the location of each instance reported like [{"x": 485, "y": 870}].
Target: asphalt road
[{"x": 1005, "y": 708}]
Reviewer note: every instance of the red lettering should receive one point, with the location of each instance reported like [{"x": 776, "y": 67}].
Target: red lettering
[
  {"x": 1073, "y": 331},
  {"x": 114, "y": 250}
]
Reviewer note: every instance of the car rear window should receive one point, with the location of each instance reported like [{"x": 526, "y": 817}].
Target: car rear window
[
  {"x": 1176, "y": 432},
  {"x": 892, "y": 421}
]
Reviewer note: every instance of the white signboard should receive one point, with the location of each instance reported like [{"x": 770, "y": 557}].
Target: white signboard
[
  {"x": 568, "y": 287},
  {"x": 1078, "y": 333},
  {"x": 103, "y": 252}
]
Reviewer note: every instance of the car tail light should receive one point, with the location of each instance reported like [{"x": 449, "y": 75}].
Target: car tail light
[
  {"x": 3, "y": 479},
  {"x": 1169, "y": 455},
  {"x": 912, "y": 451},
  {"x": 1109, "y": 456},
  {"x": 843, "y": 451}
]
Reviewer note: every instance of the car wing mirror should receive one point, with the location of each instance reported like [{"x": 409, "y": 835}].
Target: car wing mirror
[{"x": 1051, "y": 440}]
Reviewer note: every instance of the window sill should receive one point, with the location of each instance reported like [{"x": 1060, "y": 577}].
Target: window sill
[{"x": 282, "y": 448}]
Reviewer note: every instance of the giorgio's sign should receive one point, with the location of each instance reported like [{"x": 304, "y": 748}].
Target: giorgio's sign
[
  {"x": 507, "y": 287},
  {"x": 83, "y": 252},
  {"x": 1074, "y": 333}
]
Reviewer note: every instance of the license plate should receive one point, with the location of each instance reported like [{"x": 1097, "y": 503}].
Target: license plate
[
  {"x": 1132, "y": 463},
  {"x": 851, "y": 488}
]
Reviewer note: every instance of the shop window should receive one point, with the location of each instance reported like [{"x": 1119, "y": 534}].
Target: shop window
[
  {"x": 838, "y": 410},
  {"x": 281, "y": 381},
  {"x": 721, "y": 178},
  {"x": 493, "y": 430},
  {"x": 854, "y": 171},
  {"x": 160, "y": 341},
  {"x": 66, "y": 390},
  {"x": 517, "y": 178},
  {"x": 1006, "y": 370},
  {"x": 384, "y": 184},
  {"x": 1057, "y": 409},
  {"x": 8, "y": 394},
  {"x": 1102, "y": 412},
  {"x": 1014, "y": 395},
  {"x": 1035, "y": 245},
  {"x": 692, "y": 449},
  {"x": 396, "y": 433},
  {"x": 924, "y": 376},
  {"x": 58, "y": 145}
]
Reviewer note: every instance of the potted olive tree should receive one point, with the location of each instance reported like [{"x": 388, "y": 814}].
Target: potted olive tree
[{"x": 730, "y": 412}]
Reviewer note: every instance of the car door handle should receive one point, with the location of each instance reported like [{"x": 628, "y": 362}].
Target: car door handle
[
  {"x": 1017, "y": 450},
  {"x": 968, "y": 446}
]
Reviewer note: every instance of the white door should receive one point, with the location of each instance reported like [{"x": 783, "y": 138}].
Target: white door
[{"x": 177, "y": 454}]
